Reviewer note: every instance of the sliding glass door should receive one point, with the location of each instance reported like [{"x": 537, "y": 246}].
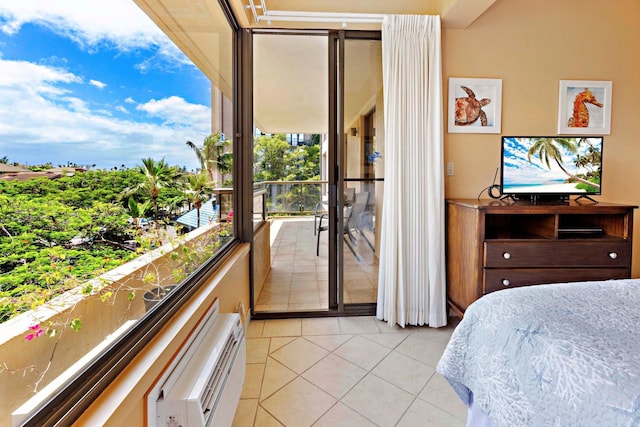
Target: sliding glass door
[{"x": 317, "y": 113}]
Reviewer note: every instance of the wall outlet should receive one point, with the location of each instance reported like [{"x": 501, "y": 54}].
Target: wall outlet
[{"x": 450, "y": 169}]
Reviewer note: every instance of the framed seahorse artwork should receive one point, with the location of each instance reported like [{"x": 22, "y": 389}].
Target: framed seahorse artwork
[{"x": 584, "y": 107}]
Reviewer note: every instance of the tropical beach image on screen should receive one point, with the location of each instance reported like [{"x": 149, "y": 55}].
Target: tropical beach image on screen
[{"x": 551, "y": 165}]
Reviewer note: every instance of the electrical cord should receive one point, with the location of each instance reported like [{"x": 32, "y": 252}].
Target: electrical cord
[{"x": 494, "y": 190}]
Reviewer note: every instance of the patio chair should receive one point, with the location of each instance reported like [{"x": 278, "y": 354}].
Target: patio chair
[
  {"x": 353, "y": 215},
  {"x": 322, "y": 207}
]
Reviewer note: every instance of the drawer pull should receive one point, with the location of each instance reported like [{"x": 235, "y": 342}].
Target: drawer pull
[
  {"x": 613, "y": 255},
  {"x": 505, "y": 282},
  {"x": 507, "y": 255}
]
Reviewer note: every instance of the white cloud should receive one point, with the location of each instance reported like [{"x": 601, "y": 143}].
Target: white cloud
[
  {"x": 121, "y": 109},
  {"x": 91, "y": 23},
  {"x": 97, "y": 84},
  {"x": 176, "y": 110},
  {"x": 129, "y": 100},
  {"x": 46, "y": 122}
]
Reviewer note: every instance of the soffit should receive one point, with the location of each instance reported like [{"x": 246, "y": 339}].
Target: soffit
[
  {"x": 454, "y": 13},
  {"x": 198, "y": 28}
]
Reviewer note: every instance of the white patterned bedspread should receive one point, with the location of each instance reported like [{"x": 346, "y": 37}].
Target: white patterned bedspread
[{"x": 551, "y": 355}]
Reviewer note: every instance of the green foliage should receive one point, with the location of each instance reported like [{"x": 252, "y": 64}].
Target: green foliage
[
  {"x": 276, "y": 160},
  {"x": 57, "y": 233}
]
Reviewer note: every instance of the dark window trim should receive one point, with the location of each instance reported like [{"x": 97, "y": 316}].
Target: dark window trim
[{"x": 77, "y": 395}]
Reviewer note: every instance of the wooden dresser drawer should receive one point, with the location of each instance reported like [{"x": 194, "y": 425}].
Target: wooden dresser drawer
[
  {"x": 554, "y": 253},
  {"x": 501, "y": 278}
]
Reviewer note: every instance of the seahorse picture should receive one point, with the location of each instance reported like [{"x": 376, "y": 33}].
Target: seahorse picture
[
  {"x": 584, "y": 107},
  {"x": 580, "y": 113}
]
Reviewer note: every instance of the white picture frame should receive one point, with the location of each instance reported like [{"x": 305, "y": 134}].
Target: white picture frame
[
  {"x": 584, "y": 107},
  {"x": 475, "y": 105}
]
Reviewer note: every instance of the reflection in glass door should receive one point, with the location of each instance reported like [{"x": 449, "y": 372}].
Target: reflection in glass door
[{"x": 361, "y": 169}]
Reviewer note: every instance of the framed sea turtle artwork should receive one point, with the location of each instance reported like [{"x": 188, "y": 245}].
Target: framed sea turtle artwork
[
  {"x": 475, "y": 105},
  {"x": 584, "y": 107}
]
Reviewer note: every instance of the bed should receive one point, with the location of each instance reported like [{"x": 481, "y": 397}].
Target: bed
[{"x": 549, "y": 355}]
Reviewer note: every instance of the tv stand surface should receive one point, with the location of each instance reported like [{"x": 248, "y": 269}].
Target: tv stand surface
[{"x": 497, "y": 244}]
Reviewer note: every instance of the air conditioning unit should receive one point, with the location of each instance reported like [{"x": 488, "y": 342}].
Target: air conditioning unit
[{"x": 202, "y": 385}]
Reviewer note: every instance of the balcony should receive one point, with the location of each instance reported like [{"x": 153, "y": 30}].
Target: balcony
[{"x": 298, "y": 278}]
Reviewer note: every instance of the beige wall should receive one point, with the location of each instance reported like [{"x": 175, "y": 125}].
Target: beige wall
[{"x": 531, "y": 46}]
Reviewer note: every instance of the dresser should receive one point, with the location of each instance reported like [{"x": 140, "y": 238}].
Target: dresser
[{"x": 496, "y": 244}]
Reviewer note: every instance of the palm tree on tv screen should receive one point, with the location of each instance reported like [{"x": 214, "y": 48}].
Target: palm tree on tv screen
[{"x": 550, "y": 150}]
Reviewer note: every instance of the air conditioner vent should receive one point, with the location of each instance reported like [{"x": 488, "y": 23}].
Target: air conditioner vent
[{"x": 202, "y": 386}]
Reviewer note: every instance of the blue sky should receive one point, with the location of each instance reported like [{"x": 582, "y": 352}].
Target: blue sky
[{"x": 95, "y": 82}]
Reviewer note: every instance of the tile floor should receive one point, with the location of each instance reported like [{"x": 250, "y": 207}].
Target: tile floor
[
  {"x": 348, "y": 371},
  {"x": 298, "y": 277}
]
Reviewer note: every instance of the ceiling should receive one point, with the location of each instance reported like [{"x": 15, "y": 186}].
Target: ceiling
[
  {"x": 291, "y": 88},
  {"x": 454, "y": 13}
]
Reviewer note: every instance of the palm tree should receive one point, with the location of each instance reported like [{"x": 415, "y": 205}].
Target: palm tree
[
  {"x": 198, "y": 189},
  {"x": 137, "y": 210},
  {"x": 157, "y": 175},
  {"x": 550, "y": 149},
  {"x": 212, "y": 156}
]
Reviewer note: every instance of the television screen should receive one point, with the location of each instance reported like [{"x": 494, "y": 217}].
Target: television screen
[{"x": 551, "y": 165}]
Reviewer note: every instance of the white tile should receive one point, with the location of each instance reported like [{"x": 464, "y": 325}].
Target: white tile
[
  {"x": 378, "y": 400},
  {"x": 299, "y": 355},
  {"x": 282, "y": 328},
  {"x": 390, "y": 340},
  {"x": 405, "y": 372},
  {"x": 254, "y": 330},
  {"x": 257, "y": 350},
  {"x": 342, "y": 416},
  {"x": 299, "y": 403},
  {"x": 424, "y": 347},
  {"x": 245, "y": 413},
  {"x": 304, "y": 297},
  {"x": 320, "y": 326},
  {"x": 276, "y": 376},
  {"x": 335, "y": 375},
  {"x": 439, "y": 393},
  {"x": 423, "y": 414},
  {"x": 279, "y": 342},
  {"x": 358, "y": 325},
  {"x": 362, "y": 352},
  {"x": 264, "y": 419},
  {"x": 329, "y": 342},
  {"x": 252, "y": 381}
]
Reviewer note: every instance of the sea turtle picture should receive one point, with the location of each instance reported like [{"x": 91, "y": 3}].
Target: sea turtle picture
[{"x": 469, "y": 109}]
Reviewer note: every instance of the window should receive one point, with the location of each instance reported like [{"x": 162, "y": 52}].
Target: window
[{"x": 118, "y": 195}]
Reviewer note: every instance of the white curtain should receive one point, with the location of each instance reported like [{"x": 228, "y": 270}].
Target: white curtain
[{"x": 411, "y": 282}]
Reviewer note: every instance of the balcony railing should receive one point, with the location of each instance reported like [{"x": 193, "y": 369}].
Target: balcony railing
[{"x": 291, "y": 197}]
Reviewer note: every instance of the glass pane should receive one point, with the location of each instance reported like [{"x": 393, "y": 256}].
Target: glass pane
[
  {"x": 99, "y": 184},
  {"x": 363, "y": 168},
  {"x": 290, "y": 120}
]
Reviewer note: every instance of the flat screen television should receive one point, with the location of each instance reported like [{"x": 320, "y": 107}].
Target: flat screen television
[{"x": 551, "y": 167}]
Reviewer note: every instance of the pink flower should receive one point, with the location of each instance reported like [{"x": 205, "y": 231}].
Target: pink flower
[{"x": 37, "y": 332}]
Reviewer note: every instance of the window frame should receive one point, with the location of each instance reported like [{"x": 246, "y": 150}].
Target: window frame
[{"x": 78, "y": 393}]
